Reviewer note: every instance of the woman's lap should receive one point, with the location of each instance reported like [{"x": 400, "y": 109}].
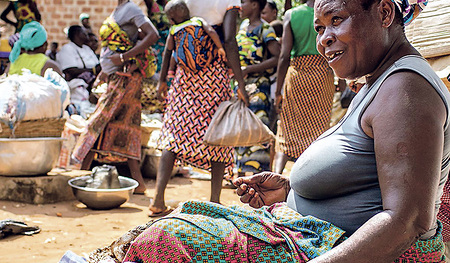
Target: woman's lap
[{"x": 202, "y": 231}]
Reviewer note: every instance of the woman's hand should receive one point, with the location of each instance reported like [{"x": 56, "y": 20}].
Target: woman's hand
[
  {"x": 262, "y": 189},
  {"x": 278, "y": 102},
  {"x": 242, "y": 94},
  {"x": 161, "y": 91},
  {"x": 115, "y": 59},
  {"x": 222, "y": 54}
]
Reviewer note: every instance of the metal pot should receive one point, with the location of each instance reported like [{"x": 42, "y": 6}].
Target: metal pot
[
  {"x": 29, "y": 156},
  {"x": 101, "y": 199}
]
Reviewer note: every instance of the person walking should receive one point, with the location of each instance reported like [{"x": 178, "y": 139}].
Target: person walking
[
  {"x": 305, "y": 107},
  {"x": 211, "y": 84},
  {"x": 113, "y": 131}
]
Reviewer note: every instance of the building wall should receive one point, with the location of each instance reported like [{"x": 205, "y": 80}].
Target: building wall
[{"x": 59, "y": 14}]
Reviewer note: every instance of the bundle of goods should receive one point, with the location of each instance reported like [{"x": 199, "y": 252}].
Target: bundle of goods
[
  {"x": 31, "y": 119},
  {"x": 33, "y": 106}
]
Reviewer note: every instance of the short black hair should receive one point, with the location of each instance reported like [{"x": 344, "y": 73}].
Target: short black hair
[
  {"x": 73, "y": 31},
  {"x": 55, "y": 44},
  {"x": 272, "y": 5},
  {"x": 179, "y": 7},
  {"x": 262, "y": 3}
]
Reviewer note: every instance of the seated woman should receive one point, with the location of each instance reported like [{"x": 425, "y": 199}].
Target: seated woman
[
  {"x": 79, "y": 64},
  {"x": 374, "y": 180},
  {"x": 32, "y": 44}
]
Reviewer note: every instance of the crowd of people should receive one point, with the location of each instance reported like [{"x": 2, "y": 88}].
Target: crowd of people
[{"x": 365, "y": 190}]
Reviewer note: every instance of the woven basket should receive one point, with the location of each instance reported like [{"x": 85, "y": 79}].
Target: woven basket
[{"x": 51, "y": 127}]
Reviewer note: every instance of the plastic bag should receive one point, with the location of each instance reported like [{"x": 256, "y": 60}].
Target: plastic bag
[
  {"x": 32, "y": 97},
  {"x": 235, "y": 125}
]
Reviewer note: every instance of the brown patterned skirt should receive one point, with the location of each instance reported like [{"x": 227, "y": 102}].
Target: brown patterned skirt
[
  {"x": 115, "y": 122},
  {"x": 307, "y": 101}
]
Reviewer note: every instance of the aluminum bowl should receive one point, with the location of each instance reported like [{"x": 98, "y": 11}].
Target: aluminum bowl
[
  {"x": 102, "y": 199},
  {"x": 29, "y": 156}
]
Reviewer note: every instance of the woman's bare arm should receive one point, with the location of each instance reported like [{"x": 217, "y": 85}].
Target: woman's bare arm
[
  {"x": 285, "y": 57},
  {"x": 150, "y": 37},
  {"x": 406, "y": 121}
]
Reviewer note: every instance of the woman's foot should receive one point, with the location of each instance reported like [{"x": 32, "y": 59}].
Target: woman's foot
[
  {"x": 158, "y": 212},
  {"x": 140, "y": 190}
]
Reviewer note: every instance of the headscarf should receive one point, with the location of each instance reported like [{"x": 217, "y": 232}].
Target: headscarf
[
  {"x": 410, "y": 9},
  {"x": 84, "y": 16},
  {"x": 32, "y": 35}
]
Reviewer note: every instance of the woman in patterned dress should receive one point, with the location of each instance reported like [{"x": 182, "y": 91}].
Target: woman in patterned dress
[
  {"x": 201, "y": 83},
  {"x": 305, "y": 107},
  {"x": 259, "y": 51},
  {"x": 113, "y": 133},
  {"x": 25, "y": 11}
]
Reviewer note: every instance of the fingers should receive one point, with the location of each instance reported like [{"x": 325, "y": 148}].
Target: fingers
[
  {"x": 256, "y": 201},
  {"x": 247, "y": 180}
]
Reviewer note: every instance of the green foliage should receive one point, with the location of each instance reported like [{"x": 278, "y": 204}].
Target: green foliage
[{"x": 280, "y": 5}]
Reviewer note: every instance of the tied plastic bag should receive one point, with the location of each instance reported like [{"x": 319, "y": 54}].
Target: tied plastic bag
[
  {"x": 32, "y": 97},
  {"x": 235, "y": 125}
]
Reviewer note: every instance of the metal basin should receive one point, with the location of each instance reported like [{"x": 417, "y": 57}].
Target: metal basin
[
  {"x": 102, "y": 199},
  {"x": 28, "y": 156}
]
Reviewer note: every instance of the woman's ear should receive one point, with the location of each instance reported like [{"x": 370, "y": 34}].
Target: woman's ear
[
  {"x": 386, "y": 9},
  {"x": 255, "y": 5}
]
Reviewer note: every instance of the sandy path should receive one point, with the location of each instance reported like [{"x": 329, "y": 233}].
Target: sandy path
[{"x": 72, "y": 226}]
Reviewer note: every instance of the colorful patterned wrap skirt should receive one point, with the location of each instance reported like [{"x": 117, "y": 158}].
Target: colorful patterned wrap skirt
[
  {"x": 256, "y": 159},
  {"x": 307, "y": 102},
  {"x": 208, "y": 232},
  {"x": 191, "y": 103},
  {"x": 115, "y": 126}
]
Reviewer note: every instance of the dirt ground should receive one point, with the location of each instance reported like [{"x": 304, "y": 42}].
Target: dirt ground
[{"x": 72, "y": 226}]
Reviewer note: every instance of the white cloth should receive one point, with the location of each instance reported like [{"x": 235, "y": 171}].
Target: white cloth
[
  {"x": 73, "y": 56},
  {"x": 212, "y": 11}
]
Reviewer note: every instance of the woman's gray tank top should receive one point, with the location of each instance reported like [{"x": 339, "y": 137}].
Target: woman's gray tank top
[{"x": 336, "y": 178}]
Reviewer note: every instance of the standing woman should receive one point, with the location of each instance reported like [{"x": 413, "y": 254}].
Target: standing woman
[
  {"x": 212, "y": 87},
  {"x": 305, "y": 108},
  {"x": 25, "y": 11},
  {"x": 259, "y": 51},
  {"x": 114, "y": 127},
  {"x": 155, "y": 11}
]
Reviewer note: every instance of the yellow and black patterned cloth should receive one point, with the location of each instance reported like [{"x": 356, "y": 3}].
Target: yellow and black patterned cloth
[{"x": 117, "y": 40}]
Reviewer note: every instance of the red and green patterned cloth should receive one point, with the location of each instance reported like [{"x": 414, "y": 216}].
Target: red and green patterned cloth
[{"x": 209, "y": 232}]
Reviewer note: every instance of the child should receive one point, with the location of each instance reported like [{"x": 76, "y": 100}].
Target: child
[{"x": 204, "y": 52}]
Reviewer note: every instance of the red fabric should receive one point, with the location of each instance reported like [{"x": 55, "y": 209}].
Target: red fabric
[{"x": 444, "y": 212}]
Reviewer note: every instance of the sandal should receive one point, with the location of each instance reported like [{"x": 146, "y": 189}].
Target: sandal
[{"x": 165, "y": 212}]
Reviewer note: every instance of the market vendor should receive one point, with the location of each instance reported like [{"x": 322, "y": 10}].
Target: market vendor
[{"x": 29, "y": 52}]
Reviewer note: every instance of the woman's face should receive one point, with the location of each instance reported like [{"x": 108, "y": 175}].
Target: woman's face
[
  {"x": 247, "y": 7},
  {"x": 269, "y": 14},
  {"x": 349, "y": 37}
]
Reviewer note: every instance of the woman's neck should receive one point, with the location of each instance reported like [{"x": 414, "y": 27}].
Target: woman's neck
[
  {"x": 78, "y": 42},
  {"x": 120, "y": 2},
  {"x": 254, "y": 20},
  {"x": 310, "y": 3},
  {"x": 398, "y": 49}
]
